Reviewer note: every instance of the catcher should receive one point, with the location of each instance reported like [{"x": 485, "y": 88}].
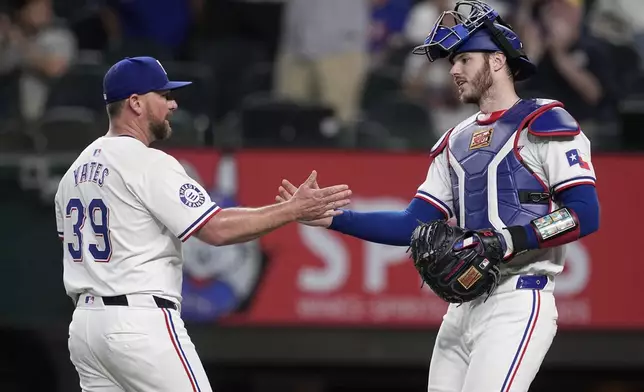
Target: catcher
[{"x": 517, "y": 178}]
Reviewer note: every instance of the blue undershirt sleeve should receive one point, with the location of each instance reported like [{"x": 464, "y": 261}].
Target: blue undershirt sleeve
[
  {"x": 386, "y": 227},
  {"x": 583, "y": 201}
]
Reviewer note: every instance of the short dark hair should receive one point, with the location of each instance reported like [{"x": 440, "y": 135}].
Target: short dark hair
[{"x": 115, "y": 108}]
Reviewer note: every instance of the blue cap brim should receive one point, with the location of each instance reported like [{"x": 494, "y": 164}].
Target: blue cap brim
[{"x": 174, "y": 85}]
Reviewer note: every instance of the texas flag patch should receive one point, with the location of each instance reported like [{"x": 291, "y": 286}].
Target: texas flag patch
[{"x": 575, "y": 158}]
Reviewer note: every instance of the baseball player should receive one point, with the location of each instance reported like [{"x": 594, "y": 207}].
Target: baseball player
[
  {"x": 123, "y": 210},
  {"x": 518, "y": 174}
]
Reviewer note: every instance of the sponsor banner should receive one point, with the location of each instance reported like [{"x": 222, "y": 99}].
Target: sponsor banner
[{"x": 305, "y": 276}]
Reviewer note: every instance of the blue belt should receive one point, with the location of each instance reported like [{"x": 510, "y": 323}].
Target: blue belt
[{"x": 532, "y": 282}]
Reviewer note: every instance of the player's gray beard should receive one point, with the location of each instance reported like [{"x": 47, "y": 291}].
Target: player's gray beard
[
  {"x": 160, "y": 130},
  {"x": 480, "y": 85}
]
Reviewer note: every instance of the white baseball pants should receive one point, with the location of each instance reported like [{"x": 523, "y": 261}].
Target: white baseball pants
[
  {"x": 497, "y": 345},
  {"x": 139, "y": 347}
]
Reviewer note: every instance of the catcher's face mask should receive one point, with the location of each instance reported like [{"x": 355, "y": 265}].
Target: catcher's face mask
[
  {"x": 473, "y": 26},
  {"x": 454, "y": 27}
]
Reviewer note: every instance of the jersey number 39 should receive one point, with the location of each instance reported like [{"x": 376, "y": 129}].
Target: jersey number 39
[{"x": 99, "y": 219}]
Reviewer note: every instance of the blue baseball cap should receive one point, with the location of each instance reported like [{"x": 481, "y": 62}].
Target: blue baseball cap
[{"x": 136, "y": 75}]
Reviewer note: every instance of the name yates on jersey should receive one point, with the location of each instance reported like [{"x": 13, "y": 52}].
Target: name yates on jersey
[{"x": 91, "y": 172}]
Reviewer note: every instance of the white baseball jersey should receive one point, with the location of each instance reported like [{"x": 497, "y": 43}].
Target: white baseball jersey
[
  {"x": 559, "y": 162},
  {"x": 123, "y": 210}
]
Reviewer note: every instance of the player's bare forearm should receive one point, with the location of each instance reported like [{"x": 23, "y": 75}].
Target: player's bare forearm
[
  {"x": 236, "y": 225},
  {"x": 252, "y": 237}
]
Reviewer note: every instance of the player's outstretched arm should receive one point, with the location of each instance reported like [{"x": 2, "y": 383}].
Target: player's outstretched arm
[
  {"x": 431, "y": 202},
  {"x": 383, "y": 227},
  {"x": 235, "y": 225}
]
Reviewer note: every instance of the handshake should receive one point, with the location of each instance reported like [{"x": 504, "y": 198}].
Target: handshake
[{"x": 312, "y": 205}]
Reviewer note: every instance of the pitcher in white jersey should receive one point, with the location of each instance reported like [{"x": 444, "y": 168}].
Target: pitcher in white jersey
[
  {"x": 123, "y": 210},
  {"x": 516, "y": 171}
]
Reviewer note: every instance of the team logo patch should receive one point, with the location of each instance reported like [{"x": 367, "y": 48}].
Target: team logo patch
[
  {"x": 575, "y": 157},
  {"x": 481, "y": 138},
  {"x": 470, "y": 277},
  {"x": 191, "y": 196}
]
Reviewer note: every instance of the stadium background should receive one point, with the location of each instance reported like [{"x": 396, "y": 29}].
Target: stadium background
[{"x": 301, "y": 309}]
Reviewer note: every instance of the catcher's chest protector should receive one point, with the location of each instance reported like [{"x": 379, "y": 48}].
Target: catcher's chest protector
[{"x": 488, "y": 176}]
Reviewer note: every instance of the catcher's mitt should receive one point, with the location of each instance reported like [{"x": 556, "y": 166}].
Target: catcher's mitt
[{"x": 458, "y": 265}]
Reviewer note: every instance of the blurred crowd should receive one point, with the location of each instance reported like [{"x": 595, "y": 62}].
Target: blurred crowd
[{"x": 297, "y": 73}]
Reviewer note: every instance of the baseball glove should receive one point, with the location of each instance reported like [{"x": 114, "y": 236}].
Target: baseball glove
[{"x": 458, "y": 265}]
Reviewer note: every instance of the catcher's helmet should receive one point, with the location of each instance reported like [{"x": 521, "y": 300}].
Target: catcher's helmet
[{"x": 473, "y": 26}]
